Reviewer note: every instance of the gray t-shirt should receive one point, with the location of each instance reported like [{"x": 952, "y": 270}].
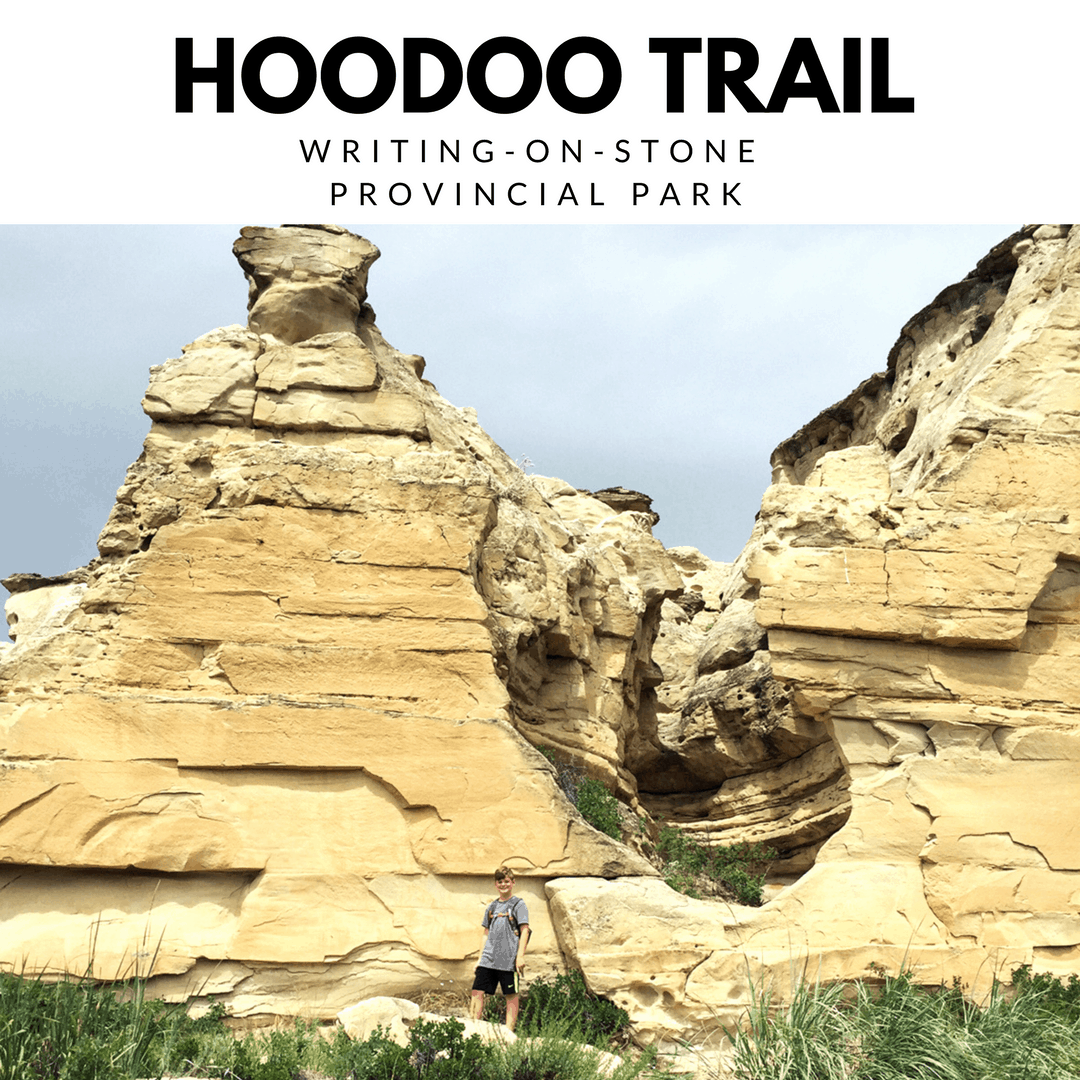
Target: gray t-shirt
[{"x": 501, "y": 946}]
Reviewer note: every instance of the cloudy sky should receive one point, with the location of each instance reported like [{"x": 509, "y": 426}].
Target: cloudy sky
[{"x": 670, "y": 360}]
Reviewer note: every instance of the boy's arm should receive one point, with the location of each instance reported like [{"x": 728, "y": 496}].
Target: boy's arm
[
  {"x": 483, "y": 941},
  {"x": 523, "y": 941}
]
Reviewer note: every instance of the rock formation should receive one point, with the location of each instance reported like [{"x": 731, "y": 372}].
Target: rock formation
[
  {"x": 271, "y": 737},
  {"x": 915, "y": 581},
  {"x": 274, "y": 740}
]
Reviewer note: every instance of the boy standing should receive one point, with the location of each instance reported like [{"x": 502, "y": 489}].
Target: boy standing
[{"x": 506, "y": 935}]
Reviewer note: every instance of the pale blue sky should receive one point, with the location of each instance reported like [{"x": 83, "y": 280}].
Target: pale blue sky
[{"x": 670, "y": 360}]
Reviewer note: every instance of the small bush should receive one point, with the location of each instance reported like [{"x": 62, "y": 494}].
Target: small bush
[
  {"x": 594, "y": 802},
  {"x": 599, "y": 807},
  {"x": 568, "y": 1006},
  {"x": 693, "y": 868}
]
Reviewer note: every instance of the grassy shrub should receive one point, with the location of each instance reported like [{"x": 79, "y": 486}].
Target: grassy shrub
[
  {"x": 734, "y": 870},
  {"x": 594, "y": 802},
  {"x": 568, "y": 1006},
  {"x": 81, "y": 1031},
  {"x": 902, "y": 1031},
  {"x": 599, "y": 807},
  {"x": 73, "y": 1030}
]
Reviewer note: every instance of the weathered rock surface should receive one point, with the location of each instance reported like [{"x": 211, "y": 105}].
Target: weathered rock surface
[
  {"x": 915, "y": 569},
  {"x": 277, "y": 725},
  {"x": 278, "y": 735}
]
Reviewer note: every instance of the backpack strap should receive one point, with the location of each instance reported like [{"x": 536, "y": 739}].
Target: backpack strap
[{"x": 510, "y": 915}]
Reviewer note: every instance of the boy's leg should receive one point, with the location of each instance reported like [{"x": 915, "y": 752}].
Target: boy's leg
[
  {"x": 512, "y": 1002},
  {"x": 476, "y": 1005}
]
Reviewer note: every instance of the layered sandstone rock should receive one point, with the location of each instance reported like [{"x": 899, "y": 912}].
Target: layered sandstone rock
[
  {"x": 270, "y": 741},
  {"x": 275, "y": 738},
  {"x": 739, "y": 763},
  {"x": 915, "y": 581}
]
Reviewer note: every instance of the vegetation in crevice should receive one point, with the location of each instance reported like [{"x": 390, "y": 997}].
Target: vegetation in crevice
[
  {"x": 734, "y": 872},
  {"x": 593, "y": 800}
]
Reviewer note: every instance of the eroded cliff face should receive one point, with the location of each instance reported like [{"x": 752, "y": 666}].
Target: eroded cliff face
[
  {"x": 274, "y": 730},
  {"x": 914, "y": 577},
  {"x": 286, "y": 723}
]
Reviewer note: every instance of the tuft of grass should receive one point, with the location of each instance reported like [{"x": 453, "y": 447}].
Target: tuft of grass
[
  {"x": 734, "y": 870},
  {"x": 903, "y": 1031}
]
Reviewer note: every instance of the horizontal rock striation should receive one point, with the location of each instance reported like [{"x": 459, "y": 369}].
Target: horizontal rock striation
[
  {"x": 914, "y": 577},
  {"x": 271, "y": 743},
  {"x": 271, "y": 740}
]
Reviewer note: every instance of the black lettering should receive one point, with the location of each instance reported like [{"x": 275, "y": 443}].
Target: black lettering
[
  {"x": 879, "y": 81},
  {"x": 852, "y": 74},
  {"x": 315, "y": 148},
  {"x": 349, "y": 149},
  {"x": 622, "y": 146},
  {"x": 729, "y": 193},
  {"x": 639, "y": 191},
  {"x": 721, "y": 79},
  {"x": 711, "y": 150},
  {"x": 593, "y": 201},
  {"x": 510, "y": 194},
  {"x": 689, "y": 151},
  {"x": 404, "y": 198},
  {"x": 532, "y": 75},
  {"x": 543, "y": 151},
  {"x": 669, "y": 194},
  {"x": 611, "y": 78},
  {"x": 700, "y": 192},
  {"x": 746, "y": 150},
  {"x": 567, "y": 195},
  {"x": 367, "y": 191},
  {"x": 187, "y": 75},
  {"x": 385, "y": 75},
  {"x": 337, "y": 191},
  {"x": 251, "y": 75},
  {"x": 452, "y": 75},
  {"x": 432, "y": 198},
  {"x": 676, "y": 50},
  {"x": 489, "y": 196},
  {"x": 568, "y": 150},
  {"x": 802, "y": 54}
]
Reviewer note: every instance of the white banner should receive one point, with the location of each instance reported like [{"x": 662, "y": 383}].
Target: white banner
[{"x": 567, "y": 112}]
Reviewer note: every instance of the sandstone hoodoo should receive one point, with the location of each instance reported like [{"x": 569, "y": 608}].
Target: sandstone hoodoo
[{"x": 277, "y": 735}]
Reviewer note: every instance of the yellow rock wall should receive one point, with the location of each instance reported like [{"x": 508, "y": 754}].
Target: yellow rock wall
[
  {"x": 916, "y": 568},
  {"x": 266, "y": 746}
]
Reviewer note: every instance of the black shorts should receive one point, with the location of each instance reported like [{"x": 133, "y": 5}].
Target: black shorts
[{"x": 487, "y": 979}]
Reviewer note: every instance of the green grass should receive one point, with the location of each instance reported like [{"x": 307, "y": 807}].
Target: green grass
[
  {"x": 565, "y": 1006},
  {"x": 593, "y": 800},
  {"x": 78, "y": 1030},
  {"x": 734, "y": 870},
  {"x": 898, "y": 1030}
]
